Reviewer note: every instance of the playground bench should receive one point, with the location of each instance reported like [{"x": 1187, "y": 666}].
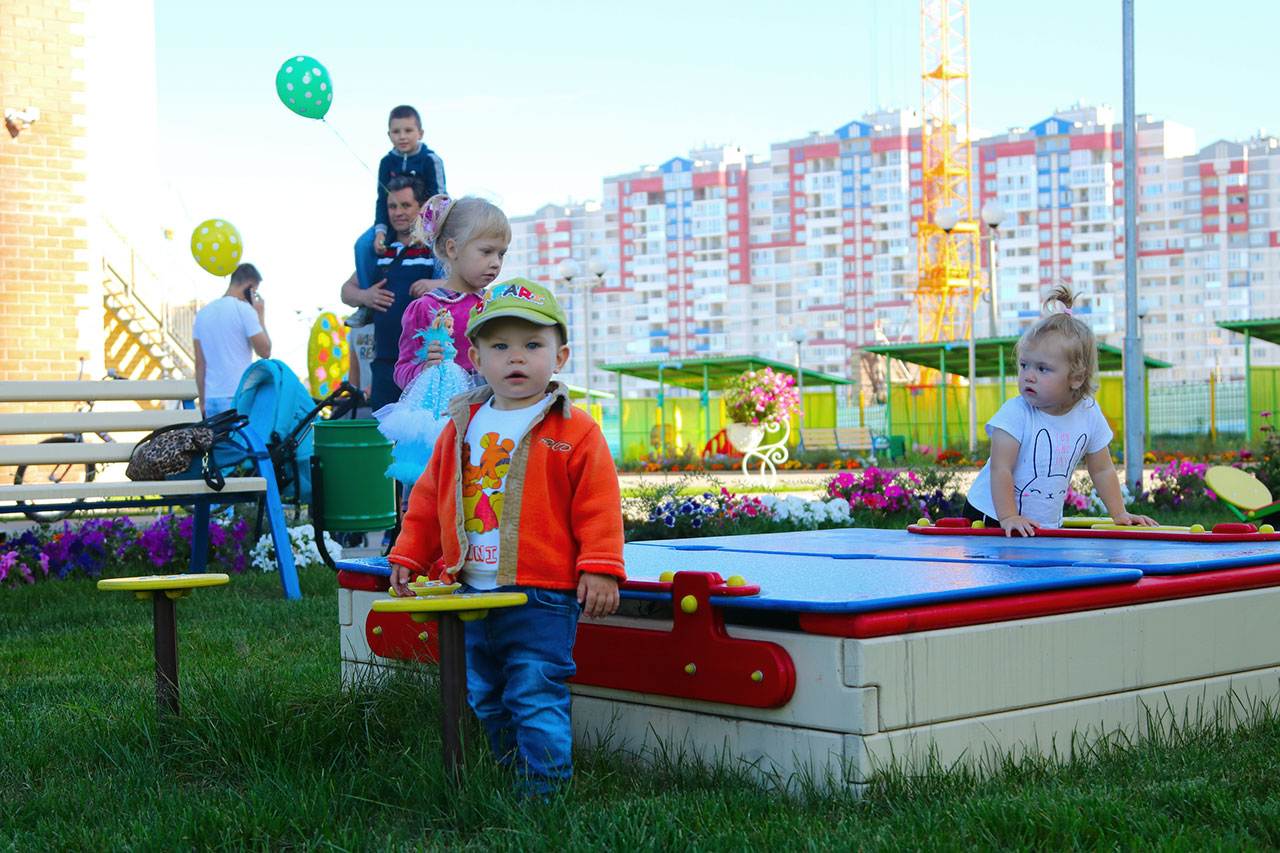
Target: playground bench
[
  {"x": 71, "y": 468},
  {"x": 836, "y": 438}
]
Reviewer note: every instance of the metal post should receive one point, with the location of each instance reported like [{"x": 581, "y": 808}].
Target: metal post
[
  {"x": 1248, "y": 389},
  {"x": 800, "y": 385},
  {"x": 586, "y": 338},
  {"x": 662, "y": 404},
  {"x": 1213, "y": 404},
  {"x": 165, "y": 628},
  {"x": 621, "y": 447},
  {"x": 992, "y": 288},
  {"x": 1134, "y": 398},
  {"x": 706, "y": 406},
  {"x": 973, "y": 361},
  {"x": 888, "y": 395},
  {"x": 942, "y": 397},
  {"x": 1003, "y": 390},
  {"x": 453, "y": 690}
]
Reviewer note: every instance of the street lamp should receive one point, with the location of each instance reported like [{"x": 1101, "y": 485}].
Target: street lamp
[
  {"x": 596, "y": 267},
  {"x": 948, "y": 219},
  {"x": 993, "y": 215},
  {"x": 567, "y": 272},
  {"x": 798, "y": 335}
]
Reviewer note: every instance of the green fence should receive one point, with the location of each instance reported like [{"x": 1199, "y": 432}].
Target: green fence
[
  {"x": 1210, "y": 409},
  {"x": 683, "y": 426},
  {"x": 1187, "y": 409}
]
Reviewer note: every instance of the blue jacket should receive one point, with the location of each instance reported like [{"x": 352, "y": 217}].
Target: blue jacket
[{"x": 425, "y": 165}]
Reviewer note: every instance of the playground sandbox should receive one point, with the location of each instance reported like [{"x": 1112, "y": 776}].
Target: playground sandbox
[{"x": 828, "y": 655}]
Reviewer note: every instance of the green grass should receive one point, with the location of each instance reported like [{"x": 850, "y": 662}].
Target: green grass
[{"x": 271, "y": 753}]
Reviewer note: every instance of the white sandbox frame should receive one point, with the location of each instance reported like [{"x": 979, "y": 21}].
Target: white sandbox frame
[{"x": 954, "y": 696}]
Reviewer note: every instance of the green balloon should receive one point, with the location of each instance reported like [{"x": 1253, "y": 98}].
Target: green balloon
[{"x": 305, "y": 87}]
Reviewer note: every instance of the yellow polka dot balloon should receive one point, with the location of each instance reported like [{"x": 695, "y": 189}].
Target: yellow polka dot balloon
[{"x": 216, "y": 246}]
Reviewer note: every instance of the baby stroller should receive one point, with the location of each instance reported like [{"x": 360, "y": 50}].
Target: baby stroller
[{"x": 281, "y": 412}]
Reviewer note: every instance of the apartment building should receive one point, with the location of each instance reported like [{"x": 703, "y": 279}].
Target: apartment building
[{"x": 721, "y": 253}]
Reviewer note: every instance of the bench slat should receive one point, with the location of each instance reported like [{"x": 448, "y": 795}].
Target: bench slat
[
  {"x": 52, "y": 423},
  {"x": 59, "y": 453},
  {"x": 818, "y": 438},
  {"x": 854, "y": 438},
  {"x": 126, "y": 489},
  {"x": 108, "y": 389},
  {"x": 836, "y": 438}
]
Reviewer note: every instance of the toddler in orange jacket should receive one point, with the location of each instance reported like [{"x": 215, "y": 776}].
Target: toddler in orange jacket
[{"x": 521, "y": 494}]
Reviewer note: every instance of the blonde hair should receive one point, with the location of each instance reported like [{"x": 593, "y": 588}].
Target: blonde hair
[
  {"x": 1079, "y": 345},
  {"x": 460, "y": 220}
]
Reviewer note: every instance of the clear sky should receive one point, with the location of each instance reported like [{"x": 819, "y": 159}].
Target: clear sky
[{"x": 530, "y": 103}]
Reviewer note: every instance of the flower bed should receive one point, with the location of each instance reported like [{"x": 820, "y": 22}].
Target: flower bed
[
  {"x": 932, "y": 492},
  {"x": 664, "y": 513},
  {"x": 87, "y": 549},
  {"x": 688, "y": 463}
]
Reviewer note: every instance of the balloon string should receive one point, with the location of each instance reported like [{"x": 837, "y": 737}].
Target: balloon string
[{"x": 354, "y": 154}]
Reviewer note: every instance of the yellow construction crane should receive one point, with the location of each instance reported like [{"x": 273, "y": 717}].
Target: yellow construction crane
[{"x": 947, "y": 236}]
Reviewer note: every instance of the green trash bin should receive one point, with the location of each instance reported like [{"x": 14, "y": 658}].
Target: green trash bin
[{"x": 355, "y": 492}]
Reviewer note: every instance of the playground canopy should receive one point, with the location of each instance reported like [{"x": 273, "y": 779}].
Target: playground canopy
[
  {"x": 713, "y": 373},
  {"x": 993, "y": 358}
]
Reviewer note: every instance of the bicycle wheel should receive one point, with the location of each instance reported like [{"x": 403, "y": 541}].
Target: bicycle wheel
[{"x": 65, "y": 473}]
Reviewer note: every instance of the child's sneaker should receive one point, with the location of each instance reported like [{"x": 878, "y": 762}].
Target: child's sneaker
[{"x": 362, "y": 316}]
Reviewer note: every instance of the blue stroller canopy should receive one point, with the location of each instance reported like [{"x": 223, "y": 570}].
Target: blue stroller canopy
[{"x": 278, "y": 404}]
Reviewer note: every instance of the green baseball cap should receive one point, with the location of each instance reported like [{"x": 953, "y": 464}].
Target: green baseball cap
[{"x": 518, "y": 297}]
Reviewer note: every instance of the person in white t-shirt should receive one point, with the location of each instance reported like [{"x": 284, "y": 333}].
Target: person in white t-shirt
[
  {"x": 227, "y": 333},
  {"x": 1039, "y": 437}
]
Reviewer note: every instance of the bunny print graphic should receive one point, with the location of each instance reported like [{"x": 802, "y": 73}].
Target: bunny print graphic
[
  {"x": 1040, "y": 453},
  {"x": 1042, "y": 496}
]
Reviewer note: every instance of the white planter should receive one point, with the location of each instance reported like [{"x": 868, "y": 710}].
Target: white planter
[{"x": 744, "y": 437}]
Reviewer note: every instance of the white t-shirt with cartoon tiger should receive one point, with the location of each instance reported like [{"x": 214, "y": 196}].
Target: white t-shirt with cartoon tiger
[
  {"x": 492, "y": 437},
  {"x": 1050, "y": 449}
]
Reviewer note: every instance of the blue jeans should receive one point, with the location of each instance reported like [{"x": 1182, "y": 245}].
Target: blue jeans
[
  {"x": 518, "y": 660},
  {"x": 217, "y": 405},
  {"x": 366, "y": 260}
]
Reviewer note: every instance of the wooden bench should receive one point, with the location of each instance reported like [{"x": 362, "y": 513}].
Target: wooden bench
[
  {"x": 69, "y": 471},
  {"x": 836, "y": 438}
]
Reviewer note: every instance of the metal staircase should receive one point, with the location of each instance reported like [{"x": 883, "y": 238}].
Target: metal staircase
[{"x": 147, "y": 337}]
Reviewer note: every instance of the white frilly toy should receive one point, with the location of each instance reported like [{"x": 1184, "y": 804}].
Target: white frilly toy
[{"x": 415, "y": 421}]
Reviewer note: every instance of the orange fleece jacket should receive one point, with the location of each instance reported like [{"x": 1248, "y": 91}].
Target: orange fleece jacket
[{"x": 562, "y": 512}]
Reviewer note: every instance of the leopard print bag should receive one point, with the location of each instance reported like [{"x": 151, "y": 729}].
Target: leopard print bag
[{"x": 173, "y": 450}]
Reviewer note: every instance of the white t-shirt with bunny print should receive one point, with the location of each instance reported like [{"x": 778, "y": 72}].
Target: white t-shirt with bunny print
[{"x": 1050, "y": 448}]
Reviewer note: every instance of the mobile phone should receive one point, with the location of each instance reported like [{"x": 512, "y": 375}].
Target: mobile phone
[{"x": 249, "y": 293}]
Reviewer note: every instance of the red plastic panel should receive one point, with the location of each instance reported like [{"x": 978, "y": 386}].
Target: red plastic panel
[
  {"x": 1227, "y": 532},
  {"x": 1006, "y": 608},
  {"x": 361, "y": 581},
  {"x": 696, "y": 659},
  {"x": 719, "y": 586},
  {"x": 400, "y": 637}
]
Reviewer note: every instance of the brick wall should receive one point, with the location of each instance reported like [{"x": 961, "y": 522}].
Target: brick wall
[{"x": 45, "y": 279}]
